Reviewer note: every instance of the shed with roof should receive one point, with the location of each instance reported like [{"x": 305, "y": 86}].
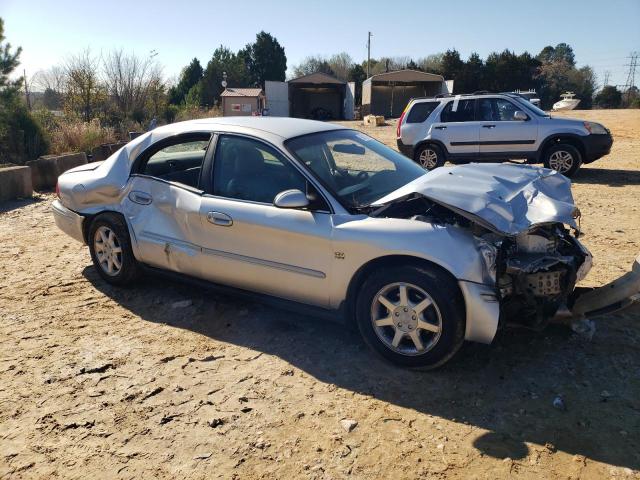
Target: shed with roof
[
  {"x": 242, "y": 101},
  {"x": 388, "y": 93}
]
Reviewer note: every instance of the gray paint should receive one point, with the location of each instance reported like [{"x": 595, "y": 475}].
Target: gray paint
[
  {"x": 509, "y": 199},
  {"x": 310, "y": 257}
]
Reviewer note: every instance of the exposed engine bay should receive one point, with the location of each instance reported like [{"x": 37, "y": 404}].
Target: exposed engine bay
[{"x": 535, "y": 272}]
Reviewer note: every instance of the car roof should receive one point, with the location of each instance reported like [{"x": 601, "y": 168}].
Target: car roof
[{"x": 283, "y": 127}]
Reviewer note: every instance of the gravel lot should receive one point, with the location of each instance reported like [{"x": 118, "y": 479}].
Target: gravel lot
[{"x": 162, "y": 380}]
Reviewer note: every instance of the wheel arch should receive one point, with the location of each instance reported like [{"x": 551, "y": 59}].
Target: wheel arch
[
  {"x": 426, "y": 142},
  {"x": 568, "y": 138},
  {"x": 90, "y": 217},
  {"x": 386, "y": 261}
]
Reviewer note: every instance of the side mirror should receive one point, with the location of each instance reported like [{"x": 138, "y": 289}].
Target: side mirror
[
  {"x": 291, "y": 199},
  {"x": 520, "y": 116}
]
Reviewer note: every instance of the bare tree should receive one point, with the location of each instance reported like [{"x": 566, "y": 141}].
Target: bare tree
[
  {"x": 130, "y": 81},
  {"x": 83, "y": 90},
  {"x": 52, "y": 84},
  {"x": 341, "y": 63},
  {"x": 52, "y": 79}
]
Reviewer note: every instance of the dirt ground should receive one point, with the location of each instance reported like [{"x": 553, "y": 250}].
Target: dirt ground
[{"x": 162, "y": 380}]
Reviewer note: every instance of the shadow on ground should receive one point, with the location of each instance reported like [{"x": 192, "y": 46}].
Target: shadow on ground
[
  {"x": 15, "y": 204},
  {"x": 607, "y": 176},
  {"x": 507, "y": 388}
]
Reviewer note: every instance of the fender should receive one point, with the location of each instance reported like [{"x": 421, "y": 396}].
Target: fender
[
  {"x": 432, "y": 142},
  {"x": 574, "y": 139}
]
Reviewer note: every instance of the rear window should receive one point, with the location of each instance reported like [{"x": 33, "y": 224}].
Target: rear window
[
  {"x": 421, "y": 111},
  {"x": 463, "y": 111}
]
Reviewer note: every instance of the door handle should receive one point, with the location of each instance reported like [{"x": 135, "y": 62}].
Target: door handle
[
  {"x": 488, "y": 126},
  {"x": 141, "y": 198},
  {"x": 442, "y": 127},
  {"x": 218, "y": 218}
]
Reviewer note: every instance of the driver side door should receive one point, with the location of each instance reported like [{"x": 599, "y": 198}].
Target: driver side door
[{"x": 249, "y": 243}]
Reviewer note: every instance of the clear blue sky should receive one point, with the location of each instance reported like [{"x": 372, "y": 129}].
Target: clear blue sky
[{"x": 602, "y": 33}]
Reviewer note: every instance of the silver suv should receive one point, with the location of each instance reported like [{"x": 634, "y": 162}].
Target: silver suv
[{"x": 496, "y": 127}]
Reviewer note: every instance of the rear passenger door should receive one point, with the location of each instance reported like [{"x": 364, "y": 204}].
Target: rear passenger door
[
  {"x": 458, "y": 129},
  {"x": 163, "y": 201},
  {"x": 500, "y": 133}
]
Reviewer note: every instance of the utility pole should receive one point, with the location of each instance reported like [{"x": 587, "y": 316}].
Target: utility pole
[
  {"x": 607, "y": 74},
  {"x": 369, "y": 53},
  {"x": 631, "y": 76}
]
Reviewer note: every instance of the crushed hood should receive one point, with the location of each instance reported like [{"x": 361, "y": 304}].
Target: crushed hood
[{"x": 508, "y": 199}]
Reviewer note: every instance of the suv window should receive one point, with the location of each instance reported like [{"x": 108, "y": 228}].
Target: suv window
[
  {"x": 180, "y": 162},
  {"x": 462, "y": 113},
  {"x": 421, "y": 111},
  {"x": 246, "y": 169},
  {"x": 496, "y": 110}
]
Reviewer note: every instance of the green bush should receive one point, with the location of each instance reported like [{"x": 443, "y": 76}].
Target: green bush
[{"x": 22, "y": 137}]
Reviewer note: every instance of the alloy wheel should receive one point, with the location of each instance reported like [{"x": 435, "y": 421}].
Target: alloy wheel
[
  {"x": 428, "y": 159},
  {"x": 561, "y": 161},
  {"x": 406, "y": 319},
  {"x": 108, "y": 250}
]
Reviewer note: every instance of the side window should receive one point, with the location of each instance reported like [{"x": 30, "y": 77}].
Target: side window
[
  {"x": 458, "y": 111},
  {"x": 421, "y": 111},
  {"x": 250, "y": 170},
  {"x": 496, "y": 110},
  {"x": 180, "y": 162},
  {"x": 504, "y": 109}
]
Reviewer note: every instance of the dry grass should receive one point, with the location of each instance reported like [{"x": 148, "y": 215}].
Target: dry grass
[
  {"x": 192, "y": 113},
  {"x": 79, "y": 136}
]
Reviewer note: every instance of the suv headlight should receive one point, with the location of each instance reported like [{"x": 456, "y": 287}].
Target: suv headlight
[{"x": 595, "y": 128}]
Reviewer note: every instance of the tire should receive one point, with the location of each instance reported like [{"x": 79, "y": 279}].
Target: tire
[
  {"x": 429, "y": 157},
  {"x": 110, "y": 247},
  {"x": 444, "y": 316},
  {"x": 563, "y": 158}
]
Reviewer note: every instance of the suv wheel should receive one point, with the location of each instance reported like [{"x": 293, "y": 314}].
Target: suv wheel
[
  {"x": 412, "y": 316},
  {"x": 111, "y": 251},
  {"x": 563, "y": 158},
  {"x": 429, "y": 157}
]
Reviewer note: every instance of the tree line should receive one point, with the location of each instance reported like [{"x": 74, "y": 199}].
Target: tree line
[{"x": 551, "y": 72}]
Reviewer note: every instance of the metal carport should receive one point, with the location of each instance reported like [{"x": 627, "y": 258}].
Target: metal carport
[
  {"x": 388, "y": 93},
  {"x": 317, "y": 95}
]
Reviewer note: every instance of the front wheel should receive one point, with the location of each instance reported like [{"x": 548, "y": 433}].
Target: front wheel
[
  {"x": 563, "y": 158},
  {"x": 110, "y": 249},
  {"x": 412, "y": 316},
  {"x": 429, "y": 157}
]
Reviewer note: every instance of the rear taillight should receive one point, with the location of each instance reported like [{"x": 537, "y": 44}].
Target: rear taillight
[
  {"x": 57, "y": 190},
  {"x": 404, "y": 112}
]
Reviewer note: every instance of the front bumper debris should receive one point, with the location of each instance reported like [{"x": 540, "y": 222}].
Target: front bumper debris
[{"x": 617, "y": 295}]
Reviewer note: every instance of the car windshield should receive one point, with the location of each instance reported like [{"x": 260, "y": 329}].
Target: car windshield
[
  {"x": 357, "y": 169},
  {"x": 539, "y": 112}
]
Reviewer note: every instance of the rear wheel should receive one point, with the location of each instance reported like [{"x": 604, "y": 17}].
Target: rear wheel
[
  {"x": 412, "y": 316},
  {"x": 110, "y": 249},
  {"x": 429, "y": 157},
  {"x": 563, "y": 158}
]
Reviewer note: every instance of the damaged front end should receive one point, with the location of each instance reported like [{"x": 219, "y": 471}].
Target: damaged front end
[
  {"x": 524, "y": 224},
  {"x": 537, "y": 272}
]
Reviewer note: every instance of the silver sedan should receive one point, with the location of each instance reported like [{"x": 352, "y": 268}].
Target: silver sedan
[{"x": 314, "y": 214}]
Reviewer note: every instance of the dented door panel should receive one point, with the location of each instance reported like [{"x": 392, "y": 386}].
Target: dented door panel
[{"x": 161, "y": 215}]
